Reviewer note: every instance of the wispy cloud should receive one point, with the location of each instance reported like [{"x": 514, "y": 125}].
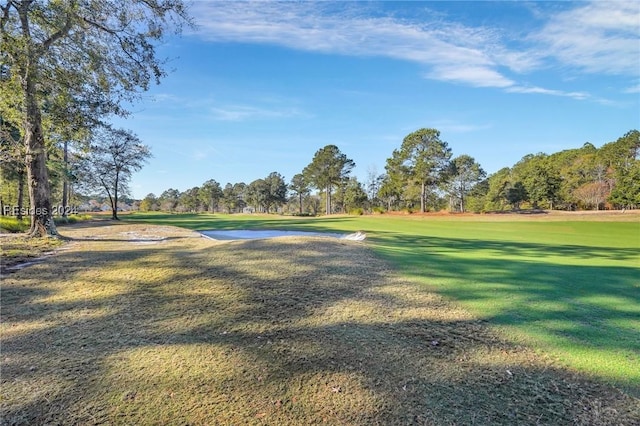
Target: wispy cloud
[
  {"x": 453, "y": 52},
  {"x": 247, "y": 112},
  {"x": 543, "y": 91},
  {"x": 632, "y": 89},
  {"x": 598, "y": 37}
]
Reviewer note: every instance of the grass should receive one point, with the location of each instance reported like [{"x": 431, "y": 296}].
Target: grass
[
  {"x": 11, "y": 224},
  {"x": 144, "y": 324},
  {"x": 566, "y": 285},
  {"x": 16, "y": 248}
]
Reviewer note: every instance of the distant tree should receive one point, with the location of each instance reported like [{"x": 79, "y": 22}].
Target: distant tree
[
  {"x": 464, "y": 174},
  {"x": 149, "y": 203},
  {"x": 540, "y": 177},
  {"x": 497, "y": 183},
  {"x": 189, "y": 200},
  {"x": 373, "y": 185},
  {"x": 622, "y": 158},
  {"x": 276, "y": 190},
  {"x": 234, "y": 197},
  {"x": 257, "y": 193},
  {"x": 300, "y": 188},
  {"x": 626, "y": 193},
  {"x": 169, "y": 200},
  {"x": 114, "y": 156},
  {"x": 354, "y": 195},
  {"x": 327, "y": 169},
  {"x": 210, "y": 194},
  {"x": 422, "y": 159},
  {"x": 515, "y": 194},
  {"x": 592, "y": 194}
]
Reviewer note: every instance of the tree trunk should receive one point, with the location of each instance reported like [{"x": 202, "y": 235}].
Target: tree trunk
[
  {"x": 423, "y": 197},
  {"x": 36, "y": 159},
  {"x": 20, "y": 194},
  {"x": 114, "y": 204},
  {"x": 65, "y": 181},
  {"x": 300, "y": 196},
  {"x": 328, "y": 200}
]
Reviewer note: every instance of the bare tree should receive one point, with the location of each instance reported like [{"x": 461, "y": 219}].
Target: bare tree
[{"x": 115, "y": 155}]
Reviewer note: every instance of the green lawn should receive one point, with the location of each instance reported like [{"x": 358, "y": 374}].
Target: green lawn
[{"x": 565, "y": 286}]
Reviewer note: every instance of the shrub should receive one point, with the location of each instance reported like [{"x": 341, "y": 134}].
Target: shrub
[
  {"x": 59, "y": 220},
  {"x": 356, "y": 212},
  {"x": 12, "y": 224},
  {"x": 379, "y": 210}
]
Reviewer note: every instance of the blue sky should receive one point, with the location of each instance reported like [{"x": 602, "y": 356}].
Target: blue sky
[{"x": 259, "y": 87}]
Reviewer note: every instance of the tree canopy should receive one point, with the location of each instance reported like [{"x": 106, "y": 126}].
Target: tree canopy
[{"x": 74, "y": 62}]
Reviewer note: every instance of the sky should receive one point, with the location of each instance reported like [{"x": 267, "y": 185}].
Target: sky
[{"x": 258, "y": 87}]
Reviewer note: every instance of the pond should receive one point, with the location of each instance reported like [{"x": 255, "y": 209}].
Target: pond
[{"x": 257, "y": 234}]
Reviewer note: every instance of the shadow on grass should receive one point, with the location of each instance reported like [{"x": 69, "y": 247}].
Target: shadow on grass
[
  {"x": 323, "y": 334},
  {"x": 559, "y": 294}
]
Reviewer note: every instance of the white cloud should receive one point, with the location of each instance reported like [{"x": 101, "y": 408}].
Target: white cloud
[
  {"x": 453, "y": 52},
  {"x": 543, "y": 91},
  {"x": 598, "y": 37},
  {"x": 246, "y": 112},
  {"x": 632, "y": 89}
]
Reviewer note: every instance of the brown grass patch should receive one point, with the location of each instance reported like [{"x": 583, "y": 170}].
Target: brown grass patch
[{"x": 137, "y": 324}]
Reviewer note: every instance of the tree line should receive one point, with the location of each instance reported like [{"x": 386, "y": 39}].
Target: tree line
[
  {"x": 68, "y": 67},
  {"x": 422, "y": 175}
]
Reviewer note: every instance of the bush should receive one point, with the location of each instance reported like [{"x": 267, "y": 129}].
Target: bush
[
  {"x": 59, "y": 220},
  {"x": 356, "y": 212},
  {"x": 12, "y": 224},
  {"x": 379, "y": 210}
]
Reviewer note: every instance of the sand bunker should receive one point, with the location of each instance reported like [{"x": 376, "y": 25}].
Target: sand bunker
[{"x": 247, "y": 234}]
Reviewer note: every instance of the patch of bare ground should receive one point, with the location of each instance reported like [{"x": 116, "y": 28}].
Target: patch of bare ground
[{"x": 138, "y": 324}]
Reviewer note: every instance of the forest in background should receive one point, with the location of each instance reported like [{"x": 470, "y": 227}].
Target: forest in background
[{"x": 585, "y": 178}]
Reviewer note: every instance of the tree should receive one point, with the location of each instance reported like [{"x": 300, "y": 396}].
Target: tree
[
  {"x": 515, "y": 194},
  {"x": 592, "y": 194},
  {"x": 103, "y": 47},
  {"x": 149, "y": 203},
  {"x": 234, "y": 196},
  {"x": 189, "y": 200},
  {"x": 115, "y": 155},
  {"x": 276, "y": 190},
  {"x": 12, "y": 162},
  {"x": 464, "y": 174},
  {"x": 423, "y": 159},
  {"x": 168, "y": 200},
  {"x": 354, "y": 195},
  {"x": 257, "y": 194},
  {"x": 210, "y": 194},
  {"x": 540, "y": 178},
  {"x": 300, "y": 188},
  {"x": 626, "y": 193},
  {"x": 622, "y": 158},
  {"x": 327, "y": 169}
]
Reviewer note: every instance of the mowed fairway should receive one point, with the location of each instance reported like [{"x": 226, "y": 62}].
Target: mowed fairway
[
  {"x": 149, "y": 324},
  {"x": 567, "y": 284}
]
